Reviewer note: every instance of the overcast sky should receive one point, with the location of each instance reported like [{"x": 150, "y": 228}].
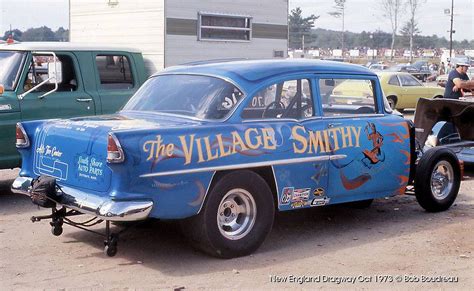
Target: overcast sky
[
  {"x": 360, "y": 15},
  {"x": 366, "y": 15},
  {"x": 24, "y": 14}
]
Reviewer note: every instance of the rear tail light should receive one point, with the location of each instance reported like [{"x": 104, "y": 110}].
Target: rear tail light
[
  {"x": 22, "y": 140},
  {"x": 114, "y": 150}
]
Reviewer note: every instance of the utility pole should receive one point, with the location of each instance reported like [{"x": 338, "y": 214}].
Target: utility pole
[
  {"x": 342, "y": 46},
  {"x": 302, "y": 43},
  {"x": 451, "y": 32}
]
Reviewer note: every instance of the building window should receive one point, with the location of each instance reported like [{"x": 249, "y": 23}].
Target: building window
[
  {"x": 221, "y": 27},
  {"x": 278, "y": 54},
  {"x": 114, "y": 72}
]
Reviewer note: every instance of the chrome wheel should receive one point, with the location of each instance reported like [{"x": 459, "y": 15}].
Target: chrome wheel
[
  {"x": 442, "y": 180},
  {"x": 236, "y": 214}
]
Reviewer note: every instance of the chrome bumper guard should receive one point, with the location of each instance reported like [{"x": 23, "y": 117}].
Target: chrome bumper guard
[{"x": 102, "y": 207}]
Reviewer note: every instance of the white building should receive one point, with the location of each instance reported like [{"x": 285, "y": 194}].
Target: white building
[{"x": 171, "y": 32}]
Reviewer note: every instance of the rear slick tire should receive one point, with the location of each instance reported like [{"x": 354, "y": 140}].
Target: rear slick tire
[
  {"x": 437, "y": 181},
  {"x": 236, "y": 217}
]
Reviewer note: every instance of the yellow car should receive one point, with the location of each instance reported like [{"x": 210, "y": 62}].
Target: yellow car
[{"x": 403, "y": 90}]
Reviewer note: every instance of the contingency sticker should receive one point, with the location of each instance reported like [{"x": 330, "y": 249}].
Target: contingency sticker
[
  {"x": 286, "y": 195},
  {"x": 319, "y": 198},
  {"x": 300, "y": 195}
]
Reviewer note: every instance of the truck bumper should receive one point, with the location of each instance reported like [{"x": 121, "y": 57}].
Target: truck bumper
[{"x": 102, "y": 207}]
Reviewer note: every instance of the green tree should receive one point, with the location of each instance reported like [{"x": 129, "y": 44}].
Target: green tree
[
  {"x": 339, "y": 7},
  {"x": 392, "y": 10},
  {"x": 410, "y": 26},
  {"x": 16, "y": 34},
  {"x": 409, "y": 31},
  {"x": 61, "y": 34},
  {"x": 300, "y": 28},
  {"x": 39, "y": 34}
]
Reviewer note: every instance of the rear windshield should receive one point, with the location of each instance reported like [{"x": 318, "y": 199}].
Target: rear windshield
[
  {"x": 10, "y": 63},
  {"x": 195, "y": 96}
]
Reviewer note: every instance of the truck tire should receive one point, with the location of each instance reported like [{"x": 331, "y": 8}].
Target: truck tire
[
  {"x": 437, "y": 180},
  {"x": 236, "y": 217}
]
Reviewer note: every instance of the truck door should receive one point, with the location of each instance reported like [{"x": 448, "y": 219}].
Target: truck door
[
  {"x": 372, "y": 149},
  {"x": 116, "y": 78},
  {"x": 11, "y": 64},
  {"x": 42, "y": 99}
]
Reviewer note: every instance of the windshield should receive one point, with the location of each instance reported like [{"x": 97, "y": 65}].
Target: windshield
[
  {"x": 10, "y": 63},
  {"x": 396, "y": 68},
  {"x": 201, "y": 97}
]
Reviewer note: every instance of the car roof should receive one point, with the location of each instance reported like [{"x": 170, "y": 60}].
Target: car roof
[
  {"x": 63, "y": 46},
  {"x": 255, "y": 70},
  {"x": 385, "y": 74}
]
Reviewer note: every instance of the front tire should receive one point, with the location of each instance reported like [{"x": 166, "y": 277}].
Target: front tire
[
  {"x": 437, "y": 181},
  {"x": 236, "y": 217}
]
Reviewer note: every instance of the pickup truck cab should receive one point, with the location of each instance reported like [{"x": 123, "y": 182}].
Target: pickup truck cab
[{"x": 44, "y": 80}]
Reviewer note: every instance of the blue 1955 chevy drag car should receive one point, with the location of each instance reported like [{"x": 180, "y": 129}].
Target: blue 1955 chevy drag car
[{"x": 222, "y": 146}]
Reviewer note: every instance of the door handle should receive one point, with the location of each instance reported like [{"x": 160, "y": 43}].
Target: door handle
[
  {"x": 84, "y": 99},
  {"x": 331, "y": 125}
]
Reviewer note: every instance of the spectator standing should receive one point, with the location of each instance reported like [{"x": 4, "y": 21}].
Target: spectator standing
[
  {"x": 442, "y": 69},
  {"x": 457, "y": 82}
]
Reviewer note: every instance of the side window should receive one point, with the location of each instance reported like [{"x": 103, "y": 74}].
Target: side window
[
  {"x": 38, "y": 73},
  {"x": 409, "y": 80},
  {"x": 289, "y": 99},
  {"x": 393, "y": 81},
  {"x": 347, "y": 96},
  {"x": 114, "y": 72}
]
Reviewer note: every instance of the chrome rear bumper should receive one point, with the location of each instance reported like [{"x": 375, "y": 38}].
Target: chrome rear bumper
[{"x": 103, "y": 207}]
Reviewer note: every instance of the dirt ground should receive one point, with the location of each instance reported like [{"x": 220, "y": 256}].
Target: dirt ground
[{"x": 393, "y": 244}]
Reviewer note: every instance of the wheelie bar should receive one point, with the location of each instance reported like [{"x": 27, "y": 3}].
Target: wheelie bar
[{"x": 60, "y": 216}]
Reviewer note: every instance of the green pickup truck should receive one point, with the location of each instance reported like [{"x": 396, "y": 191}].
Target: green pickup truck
[{"x": 62, "y": 80}]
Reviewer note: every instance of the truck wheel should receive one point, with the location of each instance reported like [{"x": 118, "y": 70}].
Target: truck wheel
[
  {"x": 437, "y": 181},
  {"x": 236, "y": 217}
]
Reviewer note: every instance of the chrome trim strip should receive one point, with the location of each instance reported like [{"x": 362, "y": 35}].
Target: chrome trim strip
[
  {"x": 246, "y": 165},
  {"x": 207, "y": 192},
  {"x": 27, "y": 139},
  {"x": 354, "y": 116},
  {"x": 21, "y": 185},
  {"x": 103, "y": 207},
  {"x": 119, "y": 147},
  {"x": 277, "y": 188}
]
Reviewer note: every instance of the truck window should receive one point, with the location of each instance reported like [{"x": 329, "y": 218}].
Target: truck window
[
  {"x": 114, "y": 72},
  {"x": 38, "y": 72}
]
